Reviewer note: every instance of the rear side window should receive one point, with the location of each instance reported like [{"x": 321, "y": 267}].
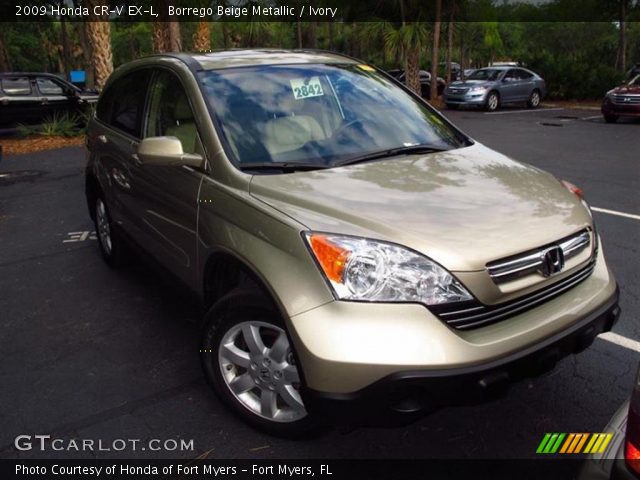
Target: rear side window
[
  {"x": 524, "y": 75},
  {"x": 122, "y": 104},
  {"x": 16, "y": 86},
  {"x": 49, "y": 87}
]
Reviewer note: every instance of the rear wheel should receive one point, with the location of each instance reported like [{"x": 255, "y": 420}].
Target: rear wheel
[
  {"x": 493, "y": 102},
  {"x": 534, "y": 99},
  {"x": 611, "y": 118},
  {"x": 249, "y": 361},
  {"x": 111, "y": 246}
]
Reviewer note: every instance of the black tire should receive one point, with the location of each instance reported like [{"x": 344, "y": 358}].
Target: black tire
[
  {"x": 235, "y": 308},
  {"x": 452, "y": 106},
  {"x": 534, "y": 99},
  {"x": 490, "y": 105},
  {"x": 611, "y": 118},
  {"x": 113, "y": 250}
]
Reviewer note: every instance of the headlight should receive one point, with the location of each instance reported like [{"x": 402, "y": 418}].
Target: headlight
[
  {"x": 478, "y": 89},
  {"x": 362, "y": 269}
]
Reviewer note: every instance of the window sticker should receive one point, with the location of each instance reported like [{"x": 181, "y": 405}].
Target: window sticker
[{"x": 306, "y": 87}]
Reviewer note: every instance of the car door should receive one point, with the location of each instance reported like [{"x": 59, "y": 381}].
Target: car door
[
  {"x": 525, "y": 84},
  {"x": 167, "y": 195},
  {"x": 509, "y": 87},
  {"x": 20, "y": 102},
  {"x": 114, "y": 139},
  {"x": 56, "y": 98}
]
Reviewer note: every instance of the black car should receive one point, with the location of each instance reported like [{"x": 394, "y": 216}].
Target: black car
[
  {"x": 30, "y": 98},
  {"x": 425, "y": 82}
]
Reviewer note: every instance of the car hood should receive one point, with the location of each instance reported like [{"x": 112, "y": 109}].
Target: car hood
[
  {"x": 463, "y": 208},
  {"x": 471, "y": 83},
  {"x": 634, "y": 89}
]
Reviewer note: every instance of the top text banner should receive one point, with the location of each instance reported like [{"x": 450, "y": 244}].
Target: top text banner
[{"x": 320, "y": 10}]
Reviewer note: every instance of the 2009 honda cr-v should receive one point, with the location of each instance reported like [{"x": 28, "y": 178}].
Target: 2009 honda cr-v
[{"x": 360, "y": 257}]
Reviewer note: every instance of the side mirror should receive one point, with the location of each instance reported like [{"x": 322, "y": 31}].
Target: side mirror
[{"x": 166, "y": 151}]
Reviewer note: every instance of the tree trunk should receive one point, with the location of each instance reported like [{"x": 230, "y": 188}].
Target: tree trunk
[
  {"x": 86, "y": 54},
  {"x": 66, "y": 48},
  {"x": 449, "y": 46},
  {"x": 412, "y": 69},
  {"x": 99, "y": 35},
  {"x": 175, "y": 41},
  {"x": 160, "y": 37},
  {"x": 622, "y": 40},
  {"x": 299, "y": 32},
  {"x": 434, "y": 51},
  {"x": 5, "y": 62},
  {"x": 202, "y": 38}
]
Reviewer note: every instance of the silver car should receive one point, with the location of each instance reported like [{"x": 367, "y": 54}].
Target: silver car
[{"x": 494, "y": 86}]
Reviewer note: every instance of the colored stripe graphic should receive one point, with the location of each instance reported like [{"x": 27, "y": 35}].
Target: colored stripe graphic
[{"x": 573, "y": 443}]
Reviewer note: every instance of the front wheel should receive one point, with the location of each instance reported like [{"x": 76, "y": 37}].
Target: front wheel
[
  {"x": 248, "y": 360},
  {"x": 534, "y": 99},
  {"x": 493, "y": 101}
]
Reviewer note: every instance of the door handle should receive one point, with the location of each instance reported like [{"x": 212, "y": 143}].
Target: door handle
[{"x": 136, "y": 159}]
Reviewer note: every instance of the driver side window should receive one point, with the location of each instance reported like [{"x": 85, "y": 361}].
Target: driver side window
[{"x": 170, "y": 113}]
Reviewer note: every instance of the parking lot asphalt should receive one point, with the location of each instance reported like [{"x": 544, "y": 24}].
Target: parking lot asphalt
[{"x": 89, "y": 352}]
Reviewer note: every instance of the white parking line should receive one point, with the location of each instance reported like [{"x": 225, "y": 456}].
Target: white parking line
[
  {"x": 621, "y": 341},
  {"x": 524, "y": 111},
  {"x": 615, "y": 212}
]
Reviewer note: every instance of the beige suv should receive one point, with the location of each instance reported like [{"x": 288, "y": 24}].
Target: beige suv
[{"x": 360, "y": 257}]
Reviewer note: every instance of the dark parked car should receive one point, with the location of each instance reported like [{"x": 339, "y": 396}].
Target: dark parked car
[
  {"x": 621, "y": 459},
  {"x": 456, "y": 70},
  {"x": 32, "y": 97},
  {"x": 623, "y": 101},
  {"x": 425, "y": 83},
  {"x": 494, "y": 86}
]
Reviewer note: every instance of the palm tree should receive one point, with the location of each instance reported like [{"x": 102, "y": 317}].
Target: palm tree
[
  {"x": 404, "y": 41},
  {"x": 166, "y": 32},
  {"x": 5, "y": 62},
  {"x": 434, "y": 50},
  {"x": 202, "y": 37},
  {"x": 98, "y": 31}
]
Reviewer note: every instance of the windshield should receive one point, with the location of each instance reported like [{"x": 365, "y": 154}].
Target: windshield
[
  {"x": 635, "y": 82},
  {"x": 318, "y": 115},
  {"x": 490, "y": 74}
]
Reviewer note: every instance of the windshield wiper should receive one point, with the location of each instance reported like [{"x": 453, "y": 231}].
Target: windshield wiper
[
  {"x": 284, "y": 167},
  {"x": 389, "y": 153}
]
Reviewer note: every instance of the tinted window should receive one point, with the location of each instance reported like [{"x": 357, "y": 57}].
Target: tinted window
[
  {"x": 170, "y": 113},
  {"x": 16, "y": 86},
  {"x": 49, "y": 87},
  {"x": 524, "y": 75},
  {"x": 122, "y": 104},
  {"x": 512, "y": 75},
  {"x": 485, "y": 74}
]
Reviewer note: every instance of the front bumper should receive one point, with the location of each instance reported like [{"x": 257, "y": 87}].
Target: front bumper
[
  {"x": 402, "y": 397},
  {"x": 609, "y": 109},
  {"x": 469, "y": 98}
]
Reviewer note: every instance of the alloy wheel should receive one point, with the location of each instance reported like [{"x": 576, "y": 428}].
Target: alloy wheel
[
  {"x": 102, "y": 224},
  {"x": 535, "y": 99},
  {"x": 259, "y": 369}
]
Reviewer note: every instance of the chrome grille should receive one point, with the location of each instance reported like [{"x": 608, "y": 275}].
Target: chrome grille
[
  {"x": 473, "y": 314},
  {"x": 621, "y": 99},
  {"x": 457, "y": 91},
  {"x": 530, "y": 262}
]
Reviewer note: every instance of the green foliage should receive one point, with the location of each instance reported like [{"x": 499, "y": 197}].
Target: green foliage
[{"x": 57, "y": 125}]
